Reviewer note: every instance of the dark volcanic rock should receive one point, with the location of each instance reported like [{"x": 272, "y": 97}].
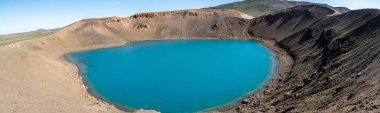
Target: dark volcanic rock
[{"x": 336, "y": 59}]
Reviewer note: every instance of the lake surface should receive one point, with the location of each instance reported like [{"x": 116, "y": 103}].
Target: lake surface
[{"x": 176, "y": 76}]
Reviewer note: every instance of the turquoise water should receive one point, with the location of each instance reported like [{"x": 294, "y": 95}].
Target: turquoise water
[{"x": 176, "y": 76}]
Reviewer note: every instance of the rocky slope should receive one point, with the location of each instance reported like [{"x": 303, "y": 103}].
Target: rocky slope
[
  {"x": 336, "y": 61},
  {"x": 258, "y": 8}
]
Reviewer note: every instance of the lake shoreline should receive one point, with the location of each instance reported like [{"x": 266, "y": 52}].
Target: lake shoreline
[
  {"x": 269, "y": 44},
  {"x": 283, "y": 62}
]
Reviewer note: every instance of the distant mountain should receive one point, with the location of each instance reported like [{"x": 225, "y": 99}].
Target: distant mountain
[
  {"x": 261, "y": 7},
  {"x": 342, "y": 9},
  {"x": 39, "y": 31}
]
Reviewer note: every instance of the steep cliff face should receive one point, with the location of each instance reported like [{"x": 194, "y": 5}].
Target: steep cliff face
[{"x": 336, "y": 66}]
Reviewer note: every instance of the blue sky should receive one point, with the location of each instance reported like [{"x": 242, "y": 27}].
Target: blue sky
[{"x": 28, "y": 15}]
